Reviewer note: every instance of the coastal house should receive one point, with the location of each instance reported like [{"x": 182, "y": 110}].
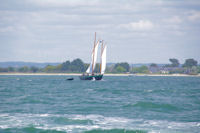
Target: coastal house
[{"x": 166, "y": 70}]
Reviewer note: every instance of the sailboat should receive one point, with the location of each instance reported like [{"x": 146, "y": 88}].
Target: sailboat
[{"x": 89, "y": 74}]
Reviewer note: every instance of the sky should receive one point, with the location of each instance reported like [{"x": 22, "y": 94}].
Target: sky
[{"x": 135, "y": 31}]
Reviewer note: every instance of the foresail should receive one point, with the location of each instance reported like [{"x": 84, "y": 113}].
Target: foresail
[
  {"x": 103, "y": 60},
  {"x": 89, "y": 70},
  {"x": 94, "y": 58}
]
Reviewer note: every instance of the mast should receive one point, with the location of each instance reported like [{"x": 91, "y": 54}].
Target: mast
[{"x": 93, "y": 53}]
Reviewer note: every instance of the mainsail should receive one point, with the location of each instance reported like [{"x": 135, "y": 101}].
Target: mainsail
[
  {"x": 103, "y": 60},
  {"x": 94, "y": 59}
]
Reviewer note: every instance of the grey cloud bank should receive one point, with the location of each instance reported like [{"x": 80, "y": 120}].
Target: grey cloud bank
[{"x": 135, "y": 31}]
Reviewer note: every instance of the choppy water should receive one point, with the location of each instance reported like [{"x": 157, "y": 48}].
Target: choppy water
[{"x": 50, "y": 104}]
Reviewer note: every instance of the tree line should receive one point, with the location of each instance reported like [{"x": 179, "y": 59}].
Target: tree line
[
  {"x": 78, "y": 66},
  {"x": 190, "y": 66}
]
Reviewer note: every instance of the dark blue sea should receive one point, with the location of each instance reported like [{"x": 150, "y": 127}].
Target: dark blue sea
[{"x": 51, "y": 104}]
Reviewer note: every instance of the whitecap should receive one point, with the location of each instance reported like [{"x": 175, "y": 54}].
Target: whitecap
[
  {"x": 44, "y": 121},
  {"x": 149, "y": 90},
  {"x": 198, "y": 124},
  {"x": 44, "y": 115}
]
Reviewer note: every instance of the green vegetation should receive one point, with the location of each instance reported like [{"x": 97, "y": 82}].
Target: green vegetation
[
  {"x": 198, "y": 69},
  {"x": 24, "y": 69},
  {"x": 122, "y": 67},
  {"x": 76, "y": 66},
  {"x": 190, "y": 63},
  {"x": 174, "y": 63},
  {"x": 142, "y": 69},
  {"x": 153, "y": 65}
]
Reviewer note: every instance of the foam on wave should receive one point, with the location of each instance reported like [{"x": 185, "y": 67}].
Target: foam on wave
[{"x": 81, "y": 123}]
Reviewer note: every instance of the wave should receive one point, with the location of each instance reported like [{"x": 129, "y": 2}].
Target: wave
[
  {"x": 36, "y": 123},
  {"x": 115, "y": 131},
  {"x": 36, "y": 130},
  {"x": 28, "y": 130},
  {"x": 153, "y": 106}
]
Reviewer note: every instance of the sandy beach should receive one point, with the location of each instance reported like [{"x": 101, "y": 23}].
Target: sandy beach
[
  {"x": 109, "y": 74},
  {"x": 67, "y": 74},
  {"x": 168, "y": 75}
]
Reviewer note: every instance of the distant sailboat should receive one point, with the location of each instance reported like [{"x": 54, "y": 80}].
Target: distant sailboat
[{"x": 90, "y": 75}]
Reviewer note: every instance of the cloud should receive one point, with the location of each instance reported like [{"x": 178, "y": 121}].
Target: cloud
[
  {"x": 173, "y": 20},
  {"x": 194, "y": 16},
  {"x": 64, "y": 3},
  {"x": 6, "y": 29},
  {"x": 141, "y": 25},
  {"x": 173, "y": 25},
  {"x": 55, "y": 25}
]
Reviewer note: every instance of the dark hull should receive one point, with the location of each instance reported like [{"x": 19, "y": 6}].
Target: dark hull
[
  {"x": 70, "y": 79},
  {"x": 98, "y": 77},
  {"x": 91, "y": 77}
]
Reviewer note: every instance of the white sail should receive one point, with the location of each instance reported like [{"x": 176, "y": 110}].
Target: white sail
[
  {"x": 95, "y": 54},
  {"x": 103, "y": 60},
  {"x": 89, "y": 70},
  {"x": 94, "y": 59}
]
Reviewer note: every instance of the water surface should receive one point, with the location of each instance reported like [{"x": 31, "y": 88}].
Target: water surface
[{"x": 39, "y": 104}]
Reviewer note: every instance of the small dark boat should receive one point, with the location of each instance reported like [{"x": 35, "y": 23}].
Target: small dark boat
[{"x": 70, "y": 79}]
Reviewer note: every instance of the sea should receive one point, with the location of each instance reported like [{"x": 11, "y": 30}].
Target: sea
[{"x": 116, "y": 104}]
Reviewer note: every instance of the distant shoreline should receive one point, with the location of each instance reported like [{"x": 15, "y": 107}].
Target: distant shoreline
[{"x": 109, "y": 74}]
